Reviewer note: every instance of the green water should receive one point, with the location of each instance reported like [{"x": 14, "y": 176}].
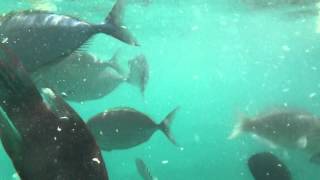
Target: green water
[{"x": 214, "y": 59}]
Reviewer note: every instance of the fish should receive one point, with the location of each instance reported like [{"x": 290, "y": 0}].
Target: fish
[
  {"x": 143, "y": 170},
  {"x": 265, "y": 4},
  {"x": 41, "y": 38},
  {"x": 125, "y": 127},
  {"x": 288, "y": 128},
  {"x": 43, "y": 140},
  {"x": 82, "y": 77},
  {"x": 266, "y": 166}
]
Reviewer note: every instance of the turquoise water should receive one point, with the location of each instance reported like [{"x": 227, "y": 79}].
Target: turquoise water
[{"x": 214, "y": 59}]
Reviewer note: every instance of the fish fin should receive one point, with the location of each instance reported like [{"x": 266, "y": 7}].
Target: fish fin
[
  {"x": 138, "y": 72},
  {"x": 59, "y": 106},
  {"x": 239, "y": 126},
  {"x": 302, "y": 142},
  {"x": 143, "y": 170},
  {"x": 114, "y": 27},
  {"x": 10, "y": 137},
  {"x": 164, "y": 126},
  {"x": 114, "y": 62}
]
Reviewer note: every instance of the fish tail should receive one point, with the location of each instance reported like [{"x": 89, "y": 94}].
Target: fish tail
[
  {"x": 139, "y": 72},
  {"x": 165, "y": 125},
  {"x": 238, "y": 127},
  {"x": 114, "y": 27},
  {"x": 15, "y": 85},
  {"x": 114, "y": 63}
]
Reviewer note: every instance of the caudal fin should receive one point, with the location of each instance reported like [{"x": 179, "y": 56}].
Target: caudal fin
[
  {"x": 238, "y": 128},
  {"x": 138, "y": 72},
  {"x": 114, "y": 27},
  {"x": 165, "y": 125}
]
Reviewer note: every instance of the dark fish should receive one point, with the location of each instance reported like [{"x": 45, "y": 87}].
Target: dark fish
[
  {"x": 266, "y": 166},
  {"x": 44, "y": 141},
  {"x": 143, "y": 170},
  {"x": 82, "y": 77},
  {"x": 123, "y": 128},
  {"x": 287, "y": 128},
  {"x": 41, "y": 38}
]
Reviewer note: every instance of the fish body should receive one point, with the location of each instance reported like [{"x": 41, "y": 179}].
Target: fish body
[
  {"x": 82, "y": 77},
  {"x": 40, "y": 38},
  {"x": 266, "y": 166},
  {"x": 286, "y": 128},
  {"x": 123, "y": 128},
  {"x": 143, "y": 170},
  {"x": 42, "y": 143}
]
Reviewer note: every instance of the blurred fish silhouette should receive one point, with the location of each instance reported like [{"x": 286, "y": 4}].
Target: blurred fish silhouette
[
  {"x": 266, "y": 166},
  {"x": 81, "y": 76},
  {"x": 143, "y": 170}
]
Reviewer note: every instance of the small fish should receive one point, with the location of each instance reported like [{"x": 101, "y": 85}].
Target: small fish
[
  {"x": 143, "y": 170},
  {"x": 266, "y": 166},
  {"x": 123, "y": 128},
  {"x": 287, "y": 128},
  {"x": 82, "y": 77},
  {"x": 41, "y": 38},
  {"x": 40, "y": 143}
]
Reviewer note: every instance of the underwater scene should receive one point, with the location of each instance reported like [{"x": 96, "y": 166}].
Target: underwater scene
[{"x": 159, "y": 89}]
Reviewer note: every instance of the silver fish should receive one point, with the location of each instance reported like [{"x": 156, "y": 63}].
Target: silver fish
[
  {"x": 123, "y": 128},
  {"x": 82, "y": 77},
  {"x": 40, "y": 38}
]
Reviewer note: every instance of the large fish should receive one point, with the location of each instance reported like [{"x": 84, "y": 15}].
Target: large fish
[
  {"x": 266, "y": 166},
  {"x": 287, "y": 128},
  {"x": 123, "y": 128},
  {"x": 40, "y": 38},
  {"x": 143, "y": 170},
  {"x": 82, "y": 77},
  {"x": 44, "y": 140}
]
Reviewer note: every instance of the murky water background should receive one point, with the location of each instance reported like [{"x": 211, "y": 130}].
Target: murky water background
[{"x": 214, "y": 59}]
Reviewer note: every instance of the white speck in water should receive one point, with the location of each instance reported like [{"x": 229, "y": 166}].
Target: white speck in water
[
  {"x": 268, "y": 174},
  {"x": 194, "y": 28},
  {"x": 59, "y": 129},
  {"x": 117, "y": 130},
  {"x": 64, "y": 118},
  {"x": 96, "y": 160},
  {"x": 196, "y": 137},
  {"x": 288, "y": 124},
  {"x": 101, "y": 133},
  {"x": 84, "y": 79},
  {"x": 285, "y": 90},
  {"x": 5, "y": 40},
  {"x": 312, "y": 95},
  {"x": 181, "y": 148},
  {"x": 165, "y": 162},
  {"x": 285, "y": 48},
  {"x": 279, "y": 165},
  {"x": 55, "y": 138},
  {"x": 314, "y": 68}
]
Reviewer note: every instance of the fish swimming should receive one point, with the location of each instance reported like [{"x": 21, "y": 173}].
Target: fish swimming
[
  {"x": 287, "y": 128},
  {"x": 40, "y": 38},
  {"x": 143, "y": 170},
  {"x": 81, "y": 77},
  {"x": 266, "y": 166},
  {"x": 43, "y": 140},
  {"x": 123, "y": 128}
]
